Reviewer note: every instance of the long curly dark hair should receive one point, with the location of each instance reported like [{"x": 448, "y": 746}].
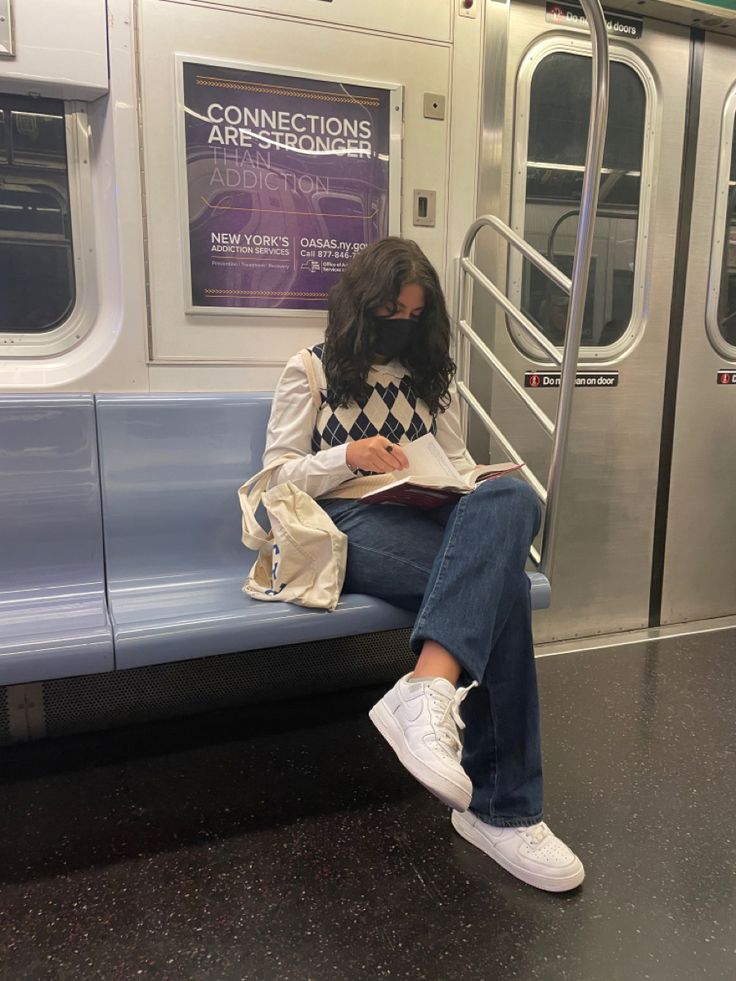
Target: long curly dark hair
[{"x": 373, "y": 280}]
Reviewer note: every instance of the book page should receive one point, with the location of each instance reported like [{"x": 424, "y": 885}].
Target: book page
[
  {"x": 430, "y": 467},
  {"x": 428, "y": 460},
  {"x": 439, "y": 489},
  {"x": 432, "y": 483}
]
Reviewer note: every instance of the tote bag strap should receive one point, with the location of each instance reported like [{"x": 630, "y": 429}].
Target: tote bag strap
[
  {"x": 314, "y": 388},
  {"x": 249, "y": 494}
]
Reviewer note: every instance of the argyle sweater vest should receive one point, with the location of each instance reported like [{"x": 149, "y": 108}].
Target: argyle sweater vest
[{"x": 391, "y": 408}]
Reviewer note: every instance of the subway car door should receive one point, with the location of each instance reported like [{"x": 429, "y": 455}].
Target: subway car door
[
  {"x": 699, "y": 580},
  {"x": 601, "y": 578}
]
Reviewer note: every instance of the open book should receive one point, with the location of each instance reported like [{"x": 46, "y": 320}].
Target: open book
[{"x": 431, "y": 479}]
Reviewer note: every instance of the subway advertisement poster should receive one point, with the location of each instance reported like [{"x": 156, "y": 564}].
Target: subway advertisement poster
[{"x": 287, "y": 177}]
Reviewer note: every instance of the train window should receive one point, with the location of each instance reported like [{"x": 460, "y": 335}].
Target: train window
[
  {"x": 37, "y": 270},
  {"x": 548, "y": 186},
  {"x": 722, "y": 298}
]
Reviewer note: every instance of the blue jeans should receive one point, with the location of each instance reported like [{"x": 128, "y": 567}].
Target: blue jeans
[{"x": 462, "y": 568}]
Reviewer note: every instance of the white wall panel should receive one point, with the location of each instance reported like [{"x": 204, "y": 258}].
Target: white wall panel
[
  {"x": 436, "y": 55},
  {"x": 112, "y": 356},
  {"x": 430, "y": 19},
  {"x": 60, "y": 49},
  {"x": 234, "y": 35}
]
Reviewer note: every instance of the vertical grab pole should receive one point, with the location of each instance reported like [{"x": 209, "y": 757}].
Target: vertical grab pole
[{"x": 580, "y": 270}]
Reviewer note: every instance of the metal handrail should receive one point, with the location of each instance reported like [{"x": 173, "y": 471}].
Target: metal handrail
[
  {"x": 490, "y": 358},
  {"x": 517, "y": 316},
  {"x": 505, "y": 444},
  {"x": 576, "y": 287}
]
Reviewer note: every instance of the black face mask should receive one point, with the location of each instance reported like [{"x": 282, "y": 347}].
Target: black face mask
[{"x": 392, "y": 337}]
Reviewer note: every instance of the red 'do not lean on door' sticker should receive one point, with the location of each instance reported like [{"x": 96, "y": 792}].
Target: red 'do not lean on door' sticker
[{"x": 584, "y": 379}]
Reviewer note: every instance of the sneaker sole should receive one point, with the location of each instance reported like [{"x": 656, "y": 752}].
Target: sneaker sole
[
  {"x": 548, "y": 883},
  {"x": 448, "y": 792}
]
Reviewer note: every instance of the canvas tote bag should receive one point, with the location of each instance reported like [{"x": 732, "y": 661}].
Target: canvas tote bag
[{"x": 302, "y": 559}]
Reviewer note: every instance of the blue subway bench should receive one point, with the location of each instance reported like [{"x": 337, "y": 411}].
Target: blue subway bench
[
  {"x": 136, "y": 559},
  {"x": 53, "y": 610}
]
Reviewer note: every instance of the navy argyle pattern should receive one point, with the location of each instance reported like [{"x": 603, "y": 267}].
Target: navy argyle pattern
[{"x": 392, "y": 409}]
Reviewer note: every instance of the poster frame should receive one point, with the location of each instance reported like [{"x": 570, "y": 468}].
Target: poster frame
[{"x": 396, "y": 128}]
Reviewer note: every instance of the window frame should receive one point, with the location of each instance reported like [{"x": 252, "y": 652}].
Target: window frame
[
  {"x": 720, "y": 217},
  {"x": 78, "y": 323},
  {"x": 563, "y": 44}
]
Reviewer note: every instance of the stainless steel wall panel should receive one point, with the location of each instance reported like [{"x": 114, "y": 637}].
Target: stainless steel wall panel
[
  {"x": 700, "y": 559},
  {"x": 601, "y": 580}
]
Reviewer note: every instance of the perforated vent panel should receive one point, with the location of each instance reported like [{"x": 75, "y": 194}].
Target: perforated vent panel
[
  {"x": 187, "y": 687},
  {"x": 4, "y": 717}
]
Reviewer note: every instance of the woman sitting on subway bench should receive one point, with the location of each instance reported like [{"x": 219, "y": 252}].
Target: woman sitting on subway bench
[{"x": 385, "y": 378}]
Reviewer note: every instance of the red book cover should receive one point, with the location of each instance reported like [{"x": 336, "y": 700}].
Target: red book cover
[
  {"x": 412, "y": 491},
  {"x": 425, "y": 498}
]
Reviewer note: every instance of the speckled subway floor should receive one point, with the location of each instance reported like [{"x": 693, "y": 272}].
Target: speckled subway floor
[{"x": 285, "y": 843}]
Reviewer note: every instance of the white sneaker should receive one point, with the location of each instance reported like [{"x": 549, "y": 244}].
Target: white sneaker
[
  {"x": 532, "y": 854},
  {"x": 420, "y": 721}
]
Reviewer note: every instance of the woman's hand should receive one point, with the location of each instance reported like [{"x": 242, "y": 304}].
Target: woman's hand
[{"x": 376, "y": 454}]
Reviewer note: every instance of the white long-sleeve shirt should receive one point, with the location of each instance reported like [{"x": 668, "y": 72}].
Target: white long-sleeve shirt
[{"x": 293, "y": 417}]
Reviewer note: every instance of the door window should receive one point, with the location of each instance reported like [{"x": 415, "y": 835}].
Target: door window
[
  {"x": 547, "y": 206},
  {"x": 725, "y": 256}
]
